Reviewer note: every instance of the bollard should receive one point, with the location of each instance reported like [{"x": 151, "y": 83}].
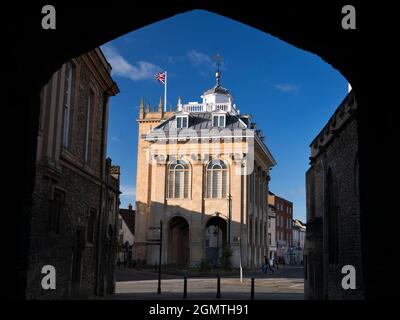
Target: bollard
[
  {"x": 252, "y": 289},
  {"x": 184, "y": 287},
  {"x": 218, "y": 287}
]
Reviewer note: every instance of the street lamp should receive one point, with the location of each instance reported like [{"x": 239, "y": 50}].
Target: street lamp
[
  {"x": 229, "y": 218},
  {"x": 240, "y": 259},
  {"x": 158, "y": 242}
]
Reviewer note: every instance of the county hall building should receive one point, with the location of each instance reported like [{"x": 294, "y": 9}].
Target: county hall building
[{"x": 203, "y": 170}]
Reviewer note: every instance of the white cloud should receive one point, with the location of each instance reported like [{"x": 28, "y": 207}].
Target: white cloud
[
  {"x": 120, "y": 67},
  {"x": 128, "y": 191},
  {"x": 115, "y": 139},
  {"x": 199, "y": 59},
  {"x": 287, "y": 87}
]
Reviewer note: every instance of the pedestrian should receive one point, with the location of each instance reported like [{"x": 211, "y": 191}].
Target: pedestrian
[
  {"x": 264, "y": 267},
  {"x": 276, "y": 263},
  {"x": 119, "y": 262},
  {"x": 271, "y": 263},
  {"x": 267, "y": 265}
]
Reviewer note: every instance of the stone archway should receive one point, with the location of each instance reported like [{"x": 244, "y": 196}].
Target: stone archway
[
  {"x": 216, "y": 239},
  {"x": 298, "y": 24},
  {"x": 178, "y": 242}
]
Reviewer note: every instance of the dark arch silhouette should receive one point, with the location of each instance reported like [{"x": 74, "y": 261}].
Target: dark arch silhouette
[{"x": 34, "y": 54}]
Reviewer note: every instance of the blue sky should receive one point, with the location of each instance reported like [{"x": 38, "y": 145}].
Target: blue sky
[{"x": 291, "y": 93}]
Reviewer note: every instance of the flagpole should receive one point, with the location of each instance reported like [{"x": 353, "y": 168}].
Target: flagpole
[{"x": 165, "y": 93}]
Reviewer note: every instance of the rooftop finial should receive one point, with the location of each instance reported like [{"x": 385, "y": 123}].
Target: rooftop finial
[
  {"x": 160, "y": 105},
  {"x": 218, "y": 60}
]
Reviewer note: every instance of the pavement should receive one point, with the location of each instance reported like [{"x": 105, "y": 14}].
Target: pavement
[{"x": 287, "y": 283}]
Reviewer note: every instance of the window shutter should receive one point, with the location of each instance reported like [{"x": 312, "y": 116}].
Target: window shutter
[
  {"x": 186, "y": 184},
  {"x": 209, "y": 187},
  {"x": 171, "y": 184},
  {"x": 224, "y": 182},
  {"x": 178, "y": 183}
]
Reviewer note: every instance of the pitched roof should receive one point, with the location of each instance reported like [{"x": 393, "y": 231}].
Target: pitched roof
[
  {"x": 203, "y": 120},
  {"x": 217, "y": 89},
  {"x": 129, "y": 218}
]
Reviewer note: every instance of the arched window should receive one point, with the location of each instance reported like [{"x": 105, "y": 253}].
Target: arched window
[
  {"x": 216, "y": 179},
  {"x": 178, "y": 180},
  {"x": 333, "y": 219}
]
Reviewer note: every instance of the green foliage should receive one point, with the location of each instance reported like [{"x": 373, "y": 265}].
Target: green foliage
[
  {"x": 226, "y": 258},
  {"x": 205, "y": 265}
]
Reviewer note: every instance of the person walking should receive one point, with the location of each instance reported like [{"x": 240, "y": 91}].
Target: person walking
[{"x": 267, "y": 265}]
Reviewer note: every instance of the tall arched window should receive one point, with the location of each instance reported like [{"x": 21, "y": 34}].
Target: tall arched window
[
  {"x": 216, "y": 179},
  {"x": 333, "y": 219},
  {"x": 178, "y": 180}
]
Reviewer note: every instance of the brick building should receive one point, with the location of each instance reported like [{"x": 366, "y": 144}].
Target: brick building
[
  {"x": 333, "y": 212},
  {"x": 284, "y": 215},
  {"x": 203, "y": 170},
  {"x": 76, "y": 195},
  {"x": 272, "y": 245}
]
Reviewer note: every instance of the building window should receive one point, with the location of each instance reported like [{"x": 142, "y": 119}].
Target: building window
[
  {"x": 269, "y": 239},
  {"x": 56, "y": 208},
  {"x": 88, "y": 137},
  {"x": 67, "y": 103},
  {"x": 91, "y": 225},
  {"x": 216, "y": 179},
  {"x": 182, "y": 122},
  {"x": 219, "y": 121},
  {"x": 178, "y": 180}
]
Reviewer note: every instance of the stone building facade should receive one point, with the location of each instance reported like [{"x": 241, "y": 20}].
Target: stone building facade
[
  {"x": 203, "y": 170},
  {"x": 76, "y": 195},
  {"x": 333, "y": 213}
]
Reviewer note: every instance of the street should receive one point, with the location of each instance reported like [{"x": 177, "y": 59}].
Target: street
[{"x": 285, "y": 284}]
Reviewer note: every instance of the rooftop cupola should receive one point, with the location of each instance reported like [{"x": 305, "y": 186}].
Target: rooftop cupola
[{"x": 215, "y": 99}]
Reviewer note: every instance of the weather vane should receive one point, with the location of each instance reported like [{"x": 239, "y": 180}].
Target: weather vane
[{"x": 218, "y": 60}]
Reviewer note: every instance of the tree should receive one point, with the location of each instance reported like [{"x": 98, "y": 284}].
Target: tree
[{"x": 226, "y": 258}]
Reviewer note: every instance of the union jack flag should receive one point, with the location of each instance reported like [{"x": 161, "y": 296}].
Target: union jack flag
[{"x": 160, "y": 76}]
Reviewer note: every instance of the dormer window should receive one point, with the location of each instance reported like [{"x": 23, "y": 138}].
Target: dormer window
[
  {"x": 182, "y": 122},
  {"x": 219, "y": 121}
]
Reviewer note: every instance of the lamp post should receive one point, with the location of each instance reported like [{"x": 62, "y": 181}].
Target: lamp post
[
  {"x": 158, "y": 242},
  {"x": 159, "y": 261},
  {"x": 240, "y": 259},
  {"x": 229, "y": 218}
]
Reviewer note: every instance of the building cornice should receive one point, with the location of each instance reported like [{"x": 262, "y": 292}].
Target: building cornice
[{"x": 335, "y": 125}]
